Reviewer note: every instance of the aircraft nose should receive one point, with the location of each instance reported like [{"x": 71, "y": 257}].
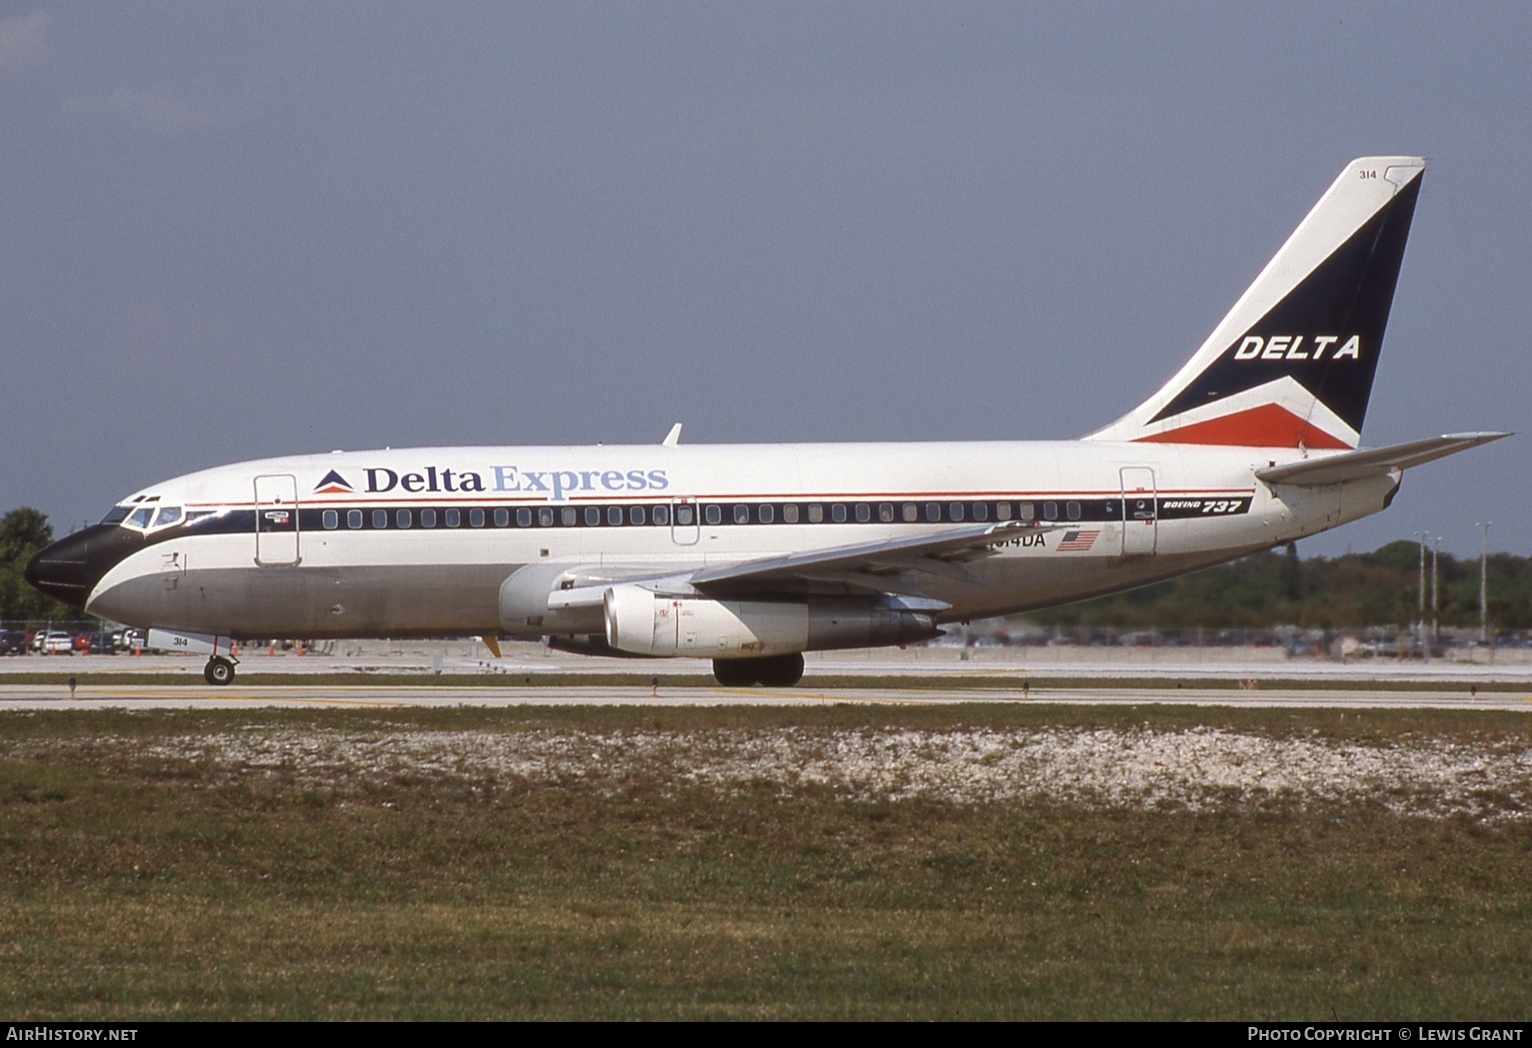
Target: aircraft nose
[{"x": 69, "y": 569}]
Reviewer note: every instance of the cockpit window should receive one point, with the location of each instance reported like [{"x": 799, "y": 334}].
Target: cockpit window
[
  {"x": 167, "y": 515},
  {"x": 116, "y": 515},
  {"x": 141, "y": 517}
]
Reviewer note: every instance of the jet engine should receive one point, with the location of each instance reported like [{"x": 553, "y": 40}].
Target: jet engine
[{"x": 643, "y": 622}]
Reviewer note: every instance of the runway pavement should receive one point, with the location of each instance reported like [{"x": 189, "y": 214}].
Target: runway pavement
[
  {"x": 934, "y": 674},
  {"x": 18, "y": 697}
]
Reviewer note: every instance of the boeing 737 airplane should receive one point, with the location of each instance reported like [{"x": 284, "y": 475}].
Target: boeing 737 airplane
[{"x": 751, "y": 555}]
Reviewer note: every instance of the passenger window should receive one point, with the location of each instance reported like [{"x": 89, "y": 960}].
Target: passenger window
[
  {"x": 636, "y": 515},
  {"x": 331, "y": 519},
  {"x": 790, "y": 513},
  {"x": 838, "y": 513},
  {"x": 713, "y": 515},
  {"x": 592, "y": 516},
  {"x": 523, "y": 517},
  {"x": 933, "y": 512},
  {"x": 380, "y": 518},
  {"x": 1002, "y": 511},
  {"x": 742, "y": 514},
  {"x": 981, "y": 511},
  {"x": 685, "y": 515},
  {"x": 767, "y": 514},
  {"x": 956, "y": 509},
  {"x": 404, "y": 518},
  {"x": 476, "y": 518},
  {"x": 568, "y": 517},
  {"x": 614, "y": 515},
  {"x": 662, "y": 515},
  {"x": 353, "y": 518},
  {"x": 428, "y": 518},
  {"x": 452, "y": 518},
  {"x": 816, "y": 513},
  {"x": 1073, "y": 509},
  {"x": 1050, "y": 511},
  {"x": 910, "y": 512},
  {"x": 1028, "y": 511},
  {"x": 502, "y": 517},
  {"x": 545, "y": 518},
  {"x": 886, "y": 513},
  {"x": 863, "y": 513}
]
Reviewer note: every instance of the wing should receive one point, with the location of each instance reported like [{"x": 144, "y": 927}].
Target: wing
[{"x": 891, "y": 566}]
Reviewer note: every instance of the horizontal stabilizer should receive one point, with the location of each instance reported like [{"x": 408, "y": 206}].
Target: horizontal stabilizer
[{"x": 1357, "y": 465}]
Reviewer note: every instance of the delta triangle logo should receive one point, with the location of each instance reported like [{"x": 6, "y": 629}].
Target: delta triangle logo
[{"x": 333, "y": 484}]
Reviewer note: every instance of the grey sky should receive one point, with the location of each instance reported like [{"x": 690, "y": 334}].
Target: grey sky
[{"x": 230, "y": 231}]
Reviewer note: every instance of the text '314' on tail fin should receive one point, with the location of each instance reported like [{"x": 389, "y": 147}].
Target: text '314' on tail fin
[{"x": 1292, "y": 363}]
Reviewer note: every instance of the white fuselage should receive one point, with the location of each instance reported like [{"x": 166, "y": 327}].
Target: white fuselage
[{"x": 420, "y": 541}]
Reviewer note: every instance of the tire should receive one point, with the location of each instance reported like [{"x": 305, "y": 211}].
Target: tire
[
  {"x": 773, "y": 671},
  {"x": 218, "y": 671},
  {"x": 780, "y": 671},
  {"x": 734, "y": 673}
]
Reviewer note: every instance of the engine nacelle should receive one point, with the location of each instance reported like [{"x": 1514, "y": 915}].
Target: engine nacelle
[
  {"x": 525, "y": 610},
  {"x": 643, "y": 622},
  {"x": 646, "y": 623}
]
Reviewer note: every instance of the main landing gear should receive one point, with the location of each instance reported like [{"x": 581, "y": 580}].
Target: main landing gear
[
  {"x": 773, "y": 671},
  {"x": 219, "y": 670}
]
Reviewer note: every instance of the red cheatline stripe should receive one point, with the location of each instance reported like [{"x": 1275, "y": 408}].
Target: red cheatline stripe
[{"x": 515, "y": 499}]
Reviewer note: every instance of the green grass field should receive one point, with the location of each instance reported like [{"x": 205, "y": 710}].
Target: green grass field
[{"x": 715, "y": 863}]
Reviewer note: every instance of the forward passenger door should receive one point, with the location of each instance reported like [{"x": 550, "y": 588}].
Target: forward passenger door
[{"x": 276, "y": 520}]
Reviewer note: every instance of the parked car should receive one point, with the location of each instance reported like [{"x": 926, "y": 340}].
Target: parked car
[
  {"x": 56, "y": 642},
  {"x": 98, "y": 642},
  {"x": 13, "y": 642}
]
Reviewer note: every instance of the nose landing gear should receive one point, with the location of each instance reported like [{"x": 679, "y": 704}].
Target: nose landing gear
[
  {"x": 219, "y": 670},
  {"x": 218, "y": 647}
]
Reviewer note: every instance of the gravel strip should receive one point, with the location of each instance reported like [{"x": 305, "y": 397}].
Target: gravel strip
[{"x": 1199, "y": 769}]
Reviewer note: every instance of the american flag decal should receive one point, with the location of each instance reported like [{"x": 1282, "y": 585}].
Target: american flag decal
[{"x": 1078, "y": 541}]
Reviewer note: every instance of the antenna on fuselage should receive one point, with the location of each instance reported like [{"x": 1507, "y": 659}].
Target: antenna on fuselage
[{"x": 673, "y": 437}]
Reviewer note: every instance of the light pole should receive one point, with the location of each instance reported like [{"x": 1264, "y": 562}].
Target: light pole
[
  {"x": 1483, "y": 583},
  {"x": 1436, "y": 548},
  {"x": 1420, "y": 616}
]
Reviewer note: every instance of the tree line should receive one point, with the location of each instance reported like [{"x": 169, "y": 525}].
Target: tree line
[
  {"x": 23, "y": 532},
  {"x": 1277, "y": 588}
]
